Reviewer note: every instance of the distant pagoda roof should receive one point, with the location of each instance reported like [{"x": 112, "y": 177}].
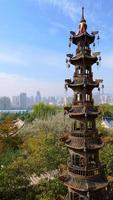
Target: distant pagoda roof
[{"x": 108, "y": 121}]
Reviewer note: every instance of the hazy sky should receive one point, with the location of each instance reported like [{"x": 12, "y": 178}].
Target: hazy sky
[{"x": 34, "y": 40}]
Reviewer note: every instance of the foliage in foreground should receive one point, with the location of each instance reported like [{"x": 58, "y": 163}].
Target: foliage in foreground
[{"x": 40, "y": 151}]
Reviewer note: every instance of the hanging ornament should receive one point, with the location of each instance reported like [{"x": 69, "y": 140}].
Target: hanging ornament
[
  {"x": 66, "y": 87},
  {"x": 65, "y": 104},
  {"x": 88, "y": 195},
  {"x": 99, "y": 58},
  {"x": 67, "y": 61},
  {"x": 72, "y": 33},
  {"x": 99, "y": 89},
  {"x": 102, "y": 88},
  {"x": 97, "y": 63},
  {"x": 68, "y": 65},
  {"x": 98, "y": 38},
  {"x": 70, "y": 40},
  {"x": 69, "y": 44},
  {"x": 93, "y": 44}
]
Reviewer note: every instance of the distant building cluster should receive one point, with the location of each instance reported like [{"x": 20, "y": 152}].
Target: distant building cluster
[
  {"x": 23, "y": 101},
  {"x": 103, "y": 98}
]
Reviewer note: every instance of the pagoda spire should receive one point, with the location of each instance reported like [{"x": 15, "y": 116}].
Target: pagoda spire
[
  {"x": 82, "y": 12},
  {"x": 83, "y": 25}
]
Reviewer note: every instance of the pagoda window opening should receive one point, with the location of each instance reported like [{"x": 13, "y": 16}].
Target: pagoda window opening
[
  {"x": 79, "y": 70},
  {"x": 75, "y": 99},
  {"x": 82, "y": 161},
  {"x": 90, "y": 125},
  {"x": 78, "y": 97},
  {"x": 88, "y": 97},
  {"x": 86, "y": 47},
  {"x": 78, "y": 125},
  {"x": 93, "y": 125},
  {"x": 92, "y": 159},
  {"x": 74, "y": 196},
  {"x": 81, "y": 97},
  {"x": 87, "y": 71},
  {"x": 82, "y": 126},
  {"x": 75, "y": 159},
  {"x": 74, "y": 126}
]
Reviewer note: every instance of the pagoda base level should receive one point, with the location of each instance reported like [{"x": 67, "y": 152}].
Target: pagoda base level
[{"x": 99, "y": 195}]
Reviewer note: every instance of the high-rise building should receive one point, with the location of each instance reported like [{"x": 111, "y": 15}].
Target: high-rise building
[
  {"x": 23, "y": 100},
  {"x": 15, "y": 102},
  {"x": 38, "y": 97},
  {"x": 30, "y": 101},
  {"x": 85, "y": 176},
  {"x": 5, "y": 103}
]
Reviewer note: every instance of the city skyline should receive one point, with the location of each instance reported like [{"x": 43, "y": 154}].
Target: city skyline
[
  {"x": 33, "y": 43},
  {"x": 23, "y": 101}
]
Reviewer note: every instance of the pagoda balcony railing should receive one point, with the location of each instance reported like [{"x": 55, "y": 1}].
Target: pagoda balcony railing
[
  {"x": 75, "y": 198},
  {"x": 78, "y": 109},
  {"x": 88, "y": 142},
  {"x": 83, "y": 103},
  {"x": 78, "y": 131},
  {"x": 84, "y": 132},
  {"x": 81, "y": 51},
  {"x": 67, "y": 197},
  {"x": 84, "y": 75},
  {"x": 82, "y": 82},
  {"x": 82, "y": 171},
  {"x": 83, "y": 110}
]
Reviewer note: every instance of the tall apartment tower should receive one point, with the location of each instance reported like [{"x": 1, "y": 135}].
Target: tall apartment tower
[
  {"x": 38, "y": 97},
  {"x": 23, "y": 100},
  {"x": 85, "y": 176}
]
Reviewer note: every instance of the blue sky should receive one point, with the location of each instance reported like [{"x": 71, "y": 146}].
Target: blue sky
[{"x": 34, "y": 40}]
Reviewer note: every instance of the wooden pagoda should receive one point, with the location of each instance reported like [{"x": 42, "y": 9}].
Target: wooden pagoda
[{"x": 85, "y": 176}]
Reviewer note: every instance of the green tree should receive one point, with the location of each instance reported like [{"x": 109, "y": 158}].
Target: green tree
[{"x": 43, "y": 111}]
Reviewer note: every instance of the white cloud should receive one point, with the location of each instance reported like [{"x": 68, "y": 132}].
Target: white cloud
[
  {"x": 12, "y": 84},
  {"x": 28, "y": 55},
  {"x": 67, "y": 7},
  {"x": 56, "y": 27},
  {"x": 59, "y": 25}
]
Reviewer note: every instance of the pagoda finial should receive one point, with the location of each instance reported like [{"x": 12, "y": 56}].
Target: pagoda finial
[
  {"x": 83, "y": 12},
  {"x": 83, "y": 18}
]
